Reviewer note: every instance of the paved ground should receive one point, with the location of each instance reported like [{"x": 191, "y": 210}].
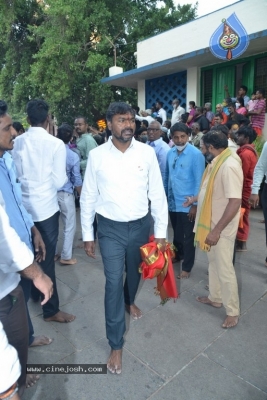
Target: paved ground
[{"x": 176, "y": 351}]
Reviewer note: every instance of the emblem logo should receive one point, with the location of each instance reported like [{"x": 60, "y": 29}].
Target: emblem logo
[{"x": 230, "y": 39}]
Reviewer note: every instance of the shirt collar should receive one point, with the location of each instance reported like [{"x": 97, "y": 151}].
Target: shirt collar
[
  {"x": 35, "y": 129},
  {"x": 112, "y": 147},
  {"x": 156, "y": 142}
]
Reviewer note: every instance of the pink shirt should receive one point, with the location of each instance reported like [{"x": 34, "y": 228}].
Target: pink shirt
[
  {"x": 242, "y": 111},
  {"x": 192, "y": 113},
  {"x": 258, "y": 120}
]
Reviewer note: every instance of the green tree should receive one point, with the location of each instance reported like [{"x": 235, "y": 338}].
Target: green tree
[{"x": 60, "y": 49}]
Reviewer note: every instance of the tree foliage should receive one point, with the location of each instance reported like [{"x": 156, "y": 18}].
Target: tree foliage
[{"x": 60, "y": 49}]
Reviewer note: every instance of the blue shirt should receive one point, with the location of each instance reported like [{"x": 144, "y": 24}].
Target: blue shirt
[
  {"x": 183, "y": 176},
  {"x": 72, "y": 170},
  {"x": 161, "y": 149},
  {"x": 20, "y": 220}
]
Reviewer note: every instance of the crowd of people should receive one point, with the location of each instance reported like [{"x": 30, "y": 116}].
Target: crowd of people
[{"x": 198, "y": 168}]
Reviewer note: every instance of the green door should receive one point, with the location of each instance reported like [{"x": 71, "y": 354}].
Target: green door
[
  {"x": 223, "y": 76},
  {"x": 248, "y": 76}
]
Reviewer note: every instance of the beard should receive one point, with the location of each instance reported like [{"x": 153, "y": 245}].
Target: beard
[
  {"x": 122, "y": 139},
  {"x": 209, "y": 157}
]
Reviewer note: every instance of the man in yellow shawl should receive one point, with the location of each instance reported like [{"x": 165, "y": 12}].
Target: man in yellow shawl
[{"x": 217, "y": 221}]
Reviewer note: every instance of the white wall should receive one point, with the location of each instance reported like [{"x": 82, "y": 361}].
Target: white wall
[{"x": 195, "y": 35}]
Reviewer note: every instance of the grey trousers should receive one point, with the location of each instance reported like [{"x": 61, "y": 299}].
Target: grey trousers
[
  {"x": 120, "y": 244},
  {"x": 67, "y": 208}
]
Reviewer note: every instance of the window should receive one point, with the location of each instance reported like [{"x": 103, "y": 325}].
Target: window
[
  {"x": 260, "y": 81},
  {"x": 207, "y": 86}
]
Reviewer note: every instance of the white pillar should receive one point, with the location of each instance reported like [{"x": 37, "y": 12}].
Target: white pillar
[
  {"x": 193, "y": 85},
  {"x": 141, "y": 100}
]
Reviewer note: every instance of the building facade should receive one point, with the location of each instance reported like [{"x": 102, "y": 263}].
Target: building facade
[{"x": 196, "y": 60}]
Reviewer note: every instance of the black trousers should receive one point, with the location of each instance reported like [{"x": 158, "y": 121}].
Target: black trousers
[
  {"x": 49, "y": 231},
  {"x": 183, "y": 239},
  {"x": 14, "y": 319},
  {"x": 120, "y": 244}
]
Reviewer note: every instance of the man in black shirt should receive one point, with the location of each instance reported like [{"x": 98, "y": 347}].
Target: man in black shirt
[{"x": 203, "y": 122}]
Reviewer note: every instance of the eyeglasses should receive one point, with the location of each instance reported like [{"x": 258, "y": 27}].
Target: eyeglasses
[{"x": 152, "y": 130}]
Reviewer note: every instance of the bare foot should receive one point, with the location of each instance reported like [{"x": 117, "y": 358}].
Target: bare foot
[
  {"x": 230, "y": 322},
  {"x": 115, "y": 361},
  {"x": 134, "y": 311},
  {"x": 61, "y": 316},
  {"x": 31, "y": 380},
  {"x": 71, "y": 261},
  {"x": 184, "y": 275},
  {"x": 57, "y": 257},
  {"x": 41, "y": 341},
  {"x": 206, "y": 300}
]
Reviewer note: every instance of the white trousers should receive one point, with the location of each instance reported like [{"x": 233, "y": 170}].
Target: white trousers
[{"x": 66, "y": 204}]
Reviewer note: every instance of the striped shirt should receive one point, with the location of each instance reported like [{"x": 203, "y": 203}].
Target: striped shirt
[{"x": 258, "y": 120}]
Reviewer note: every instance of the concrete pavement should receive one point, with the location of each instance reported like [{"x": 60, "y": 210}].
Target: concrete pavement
[{"x": 176, "y": 351}]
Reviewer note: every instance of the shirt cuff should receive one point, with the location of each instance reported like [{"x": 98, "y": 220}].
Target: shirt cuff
[
  {"x": 88, "y": 236},
  {"x": 160, "y": 232}
]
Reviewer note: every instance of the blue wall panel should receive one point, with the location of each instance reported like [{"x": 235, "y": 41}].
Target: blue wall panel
[{"x": 165, "y": 89}]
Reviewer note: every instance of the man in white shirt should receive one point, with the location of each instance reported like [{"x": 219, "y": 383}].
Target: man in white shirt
[
  {"x": 121, "y": 177},
  {"x": 161, "y": 112},
  {"x": 145, "y": 116},
  {"x": 17, "y": 259},
  {"x": 177, "y": 111},
  {"x": 40, "y": 159}
]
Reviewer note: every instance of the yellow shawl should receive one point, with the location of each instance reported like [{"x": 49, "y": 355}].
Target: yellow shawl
[{"x": 204, "y": 221}]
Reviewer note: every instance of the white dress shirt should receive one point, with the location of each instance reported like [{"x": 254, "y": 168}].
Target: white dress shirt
[
  {"x": 9, "y": 363},
  {"x": 15, "y": 254},
  {"x": 148, "y": 118},
  {"x": 260, "y": 171},
  {"x": 40, "y": 159},
  {"x": 162, "y": 114},
  {"x": 176, "y": 114},
  {"x": 118, "y": 186}
]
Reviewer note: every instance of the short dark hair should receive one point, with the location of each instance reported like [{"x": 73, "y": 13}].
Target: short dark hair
[
  {"x": 168, "y": 123},
  {"x": 244, "y": 88},
  {"x": 3, "y": 108},
  {"x": 221, "y": 128},
  {"x": 231, "y": 105},
  {"x": 18, "y": 126},
  {"x": 119, "y": 107},
  {"x": 201, "y": 109},
  {"x": 215, "y": 138},
  {"x": 65, "y": 132},
  {"x": 241, "y": 101},
  {"x": 218, "y": 114},
  {"x": 159, "y": 119},
  {"x": 160, "y": 103},
  {"x": 184, "y": 117},
  {"x": 192, "y": 103},
  {"x": 145, "y": 122},
  {"x": 248, "y": 132},
  {"x": 262, "y": 91},
  {"x": 179, "y": 127},
  {"x": 82, "y": 117},
  {"x": 37, "y": 111}
]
